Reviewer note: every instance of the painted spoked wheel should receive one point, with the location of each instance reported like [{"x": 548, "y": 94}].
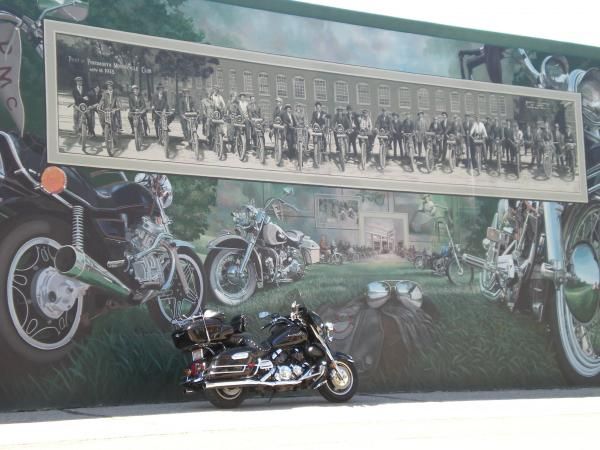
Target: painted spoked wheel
[
  {"x": 411, "y": 149},
  {"x": 240, "y": 147},
  {"x": 176, "y": 304},
  {"x": 40, "y": 311},
  {"x": 547, "y": 164},
  {"x": 343, "y": 152},
  {"x": 225, "y": 398},
  {"x": 109, "y": 140},
  {"x": 450, "y": 153},
  {"x": 363, "y": 156},
  {"x": 229, "y": 285},
  {"x": 429, "y": 158},
  {"x": 83, "y": 135},
  {"x": 277, "y": 150},
  {"x": 498, "y": 160},
  {"x": 196, "y": 146},
  {"x": 341, "y": 384},
  {"x": 460, "y": 275},
  {"x": 317, "y": 152},
  {"x": 262, "y": 153},
  {"x": 578, "y": 343}
]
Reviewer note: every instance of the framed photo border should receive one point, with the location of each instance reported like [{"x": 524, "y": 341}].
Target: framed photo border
[
  {"x": 52, "y": 28},
  {"x": 341, "y": 198}
]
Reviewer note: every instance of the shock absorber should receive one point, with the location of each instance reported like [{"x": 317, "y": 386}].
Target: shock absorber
[{"x": 78, "y": 227}]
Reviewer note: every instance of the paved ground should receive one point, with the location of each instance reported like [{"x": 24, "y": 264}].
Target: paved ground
[
  {"x": 395, "y": 169},
  {"x": 481, "y": 420}
]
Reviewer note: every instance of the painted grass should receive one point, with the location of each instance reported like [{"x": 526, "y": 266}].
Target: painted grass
[{"x": 477, "y": 345}]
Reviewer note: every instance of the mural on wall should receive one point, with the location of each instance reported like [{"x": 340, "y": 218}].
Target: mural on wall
[{"x": 425, "y": 291}]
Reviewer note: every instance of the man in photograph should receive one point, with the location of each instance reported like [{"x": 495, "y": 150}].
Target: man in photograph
[
  {"x": 467, "y": 125},
  {"x": 477, "y": 132},
  {"x": 320, "y": 117},
  {"x": 351, "y": 123},
  {"x": 79, "y": 97},
  {"x": 408, "y": 127},
  {"x": 444, "y": 126},
  {"x": 205, "y": 110},
  {"x": 290, "y": 121},
  {"x": 420, "y": 129},
  {"x": 94, "y": 96},
  {"x": 160, "y": 103},
  {"x": 186, "y": 105},
  {"x": 456, "y": 129},
  {"x": 559, "y": 141},
  {"x": 365, "y": 123},
  {"x": 110, "y": 101},
  {"x": 338, "y": 119},
  {"x": 509, "y": 141},
  {"x": 217, "y": 101},
  {"x": 396, "y": 135},
  {"x": 137, "y": 103}
]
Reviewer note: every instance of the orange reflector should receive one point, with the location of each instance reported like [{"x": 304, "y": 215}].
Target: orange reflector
[{"x": 54, "y": 180}]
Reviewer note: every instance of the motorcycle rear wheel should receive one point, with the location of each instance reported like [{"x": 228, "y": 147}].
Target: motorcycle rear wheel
[
  {"x": 225, "y": 398},
  {"x": 339, "y": 390}
]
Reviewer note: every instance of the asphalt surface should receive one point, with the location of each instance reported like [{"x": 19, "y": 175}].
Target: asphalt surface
[{"x": 482, "y": 420}]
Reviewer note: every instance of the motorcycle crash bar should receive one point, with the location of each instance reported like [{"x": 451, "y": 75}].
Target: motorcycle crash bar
[{"x": 74, "y": 263}]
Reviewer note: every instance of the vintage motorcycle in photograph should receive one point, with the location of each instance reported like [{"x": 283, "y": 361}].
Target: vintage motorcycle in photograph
[
  {"x": 76, "y": 243},
  {"x": 227, "y": 362},
  {"x": 257, "y": 252}
]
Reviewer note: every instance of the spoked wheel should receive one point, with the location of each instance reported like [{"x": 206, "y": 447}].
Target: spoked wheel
[
  {"x": 165, "y": 142},
  {"x": 429, "y": 158},
  {"x": 278, "y": 150},
  {"x": 578, "y": 341},
  {"x": 109, "y": 140},
  {"x": 411, "y": 149},
  {"x": 570, "y": 155},
  {"x": 343, "y": 152},
  {"x": 317, "y": 153},
  {"x": 460, "y": 275},
  {"x": 240, "y": 147},
  {"x": 225, "y": 398},
  {"x": 382, "y": 156},
  {"x": 498, "y": 160},
  {"x": 547, "y": 164},
  {"x": 518, "y": 163},
  {"x": 177, "y": 304},
  {"x": 138, "y": 137},
  {"x": 306, "y": 257},
  {"x": 478, "y": 158},
  {"x": 450, "y": 157},
  {"x": 341, "y": 384},
  {"x": 196, "y": 146},
  {"x": 228, "y": 284},
  {"x": 262, "y": 153},
  {"x": 363, "y": 156},
  {"x": 41, "y": 309},
  {"x": 218, "y": 144},
  {"x": 419, "y": 262},
  {"x": 83, "y": 135}
]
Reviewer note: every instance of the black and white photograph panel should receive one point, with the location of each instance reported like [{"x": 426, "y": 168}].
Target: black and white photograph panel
[{"x": 122, "y": 100}]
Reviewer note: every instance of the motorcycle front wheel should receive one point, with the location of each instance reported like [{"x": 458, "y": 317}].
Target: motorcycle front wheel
[
  {"x": 109, "y": 140},
  {"x": 262, "y": 153},
  {"x": 227, "y": 284},
  {"x": 39, "y": 312},
  {"x": 196, "y": 146},
  {"x": 225, "y": 398},
  {"x": 277, "y": 149},
  {"x": 343, "y": 152},
  {"x": 577, "y": 343},
  {"x": 459, "y": 275},
  {"x": 429, "y": 158},
  {"x": 176, "y": 304},
  {"x": 340, "y": 387},
  {"x": 547, "y": 164}
]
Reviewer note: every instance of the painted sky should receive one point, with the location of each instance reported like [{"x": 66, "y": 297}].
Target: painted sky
[{"x": 249, "y": 29}]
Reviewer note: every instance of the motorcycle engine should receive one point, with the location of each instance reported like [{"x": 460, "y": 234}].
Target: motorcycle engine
[
  {"x": 288, "y": 367},
  {"x": 148, "y": 268}
]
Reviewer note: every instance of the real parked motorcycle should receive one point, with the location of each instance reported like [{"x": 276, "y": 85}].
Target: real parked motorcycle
[
  {"x": 258, "y": 252},
  {"x": 227, "y": 362}
]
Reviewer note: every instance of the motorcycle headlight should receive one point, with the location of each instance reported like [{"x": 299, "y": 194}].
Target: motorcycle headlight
[
  {"x": 555, "y": 72},
  {"x": 242, "y": 217},
  {"x": 589, "y": 87}
]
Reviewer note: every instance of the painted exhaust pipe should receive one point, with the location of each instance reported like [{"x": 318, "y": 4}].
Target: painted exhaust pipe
[{"x": 74, "y": 263}]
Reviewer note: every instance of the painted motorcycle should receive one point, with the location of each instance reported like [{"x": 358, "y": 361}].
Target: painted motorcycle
[
  {"x": 76, "y": 243},
  {"x": 257, "y": 252},
  {"x": 227, "y": 362},
  {"x": 543, "y": 257}
]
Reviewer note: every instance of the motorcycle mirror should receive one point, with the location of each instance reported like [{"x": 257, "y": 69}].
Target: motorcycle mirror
[
  {"x": 263, "y": 314},
  {"x": 75, "y": 10},
  {"x": 288, "y": 190}
]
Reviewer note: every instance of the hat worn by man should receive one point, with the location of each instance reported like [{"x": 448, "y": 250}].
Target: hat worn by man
[
  {"x": 134, "y": 86},
  {"x": 420, "y": 113},
  {"x": 278, "y": 99},
  {"x": 395, "y": 114},
  {"x": 318, "y": 104},
  {"x": 287, "y": 105},
  {"x": 348, "y": 108},
  {"x": 78, "y": 78},
  {"x": 109, "y": 83}
]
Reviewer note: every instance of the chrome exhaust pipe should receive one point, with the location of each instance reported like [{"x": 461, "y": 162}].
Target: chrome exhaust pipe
[
  {"x": 74, "y": 263},
  {"x": 258, "y": 383}
]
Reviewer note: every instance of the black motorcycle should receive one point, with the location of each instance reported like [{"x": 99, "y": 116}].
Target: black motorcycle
[{"x": 227, "y": 362}]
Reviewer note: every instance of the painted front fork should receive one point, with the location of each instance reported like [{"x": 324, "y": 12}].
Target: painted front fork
[{"x": 554, "y": 267}]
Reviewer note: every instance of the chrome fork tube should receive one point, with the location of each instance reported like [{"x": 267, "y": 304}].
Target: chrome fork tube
[{"x": 554, "y": 268}]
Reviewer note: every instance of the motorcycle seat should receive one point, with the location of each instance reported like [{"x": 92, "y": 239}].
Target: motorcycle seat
[
  {"x": 247, "y": 340},
  {"x": 294, "y": 237}
]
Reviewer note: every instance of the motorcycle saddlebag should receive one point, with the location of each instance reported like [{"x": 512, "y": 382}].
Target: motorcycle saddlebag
[
  {"x": 232, "y": 364},
  {"x": 201, "y": 331}
]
